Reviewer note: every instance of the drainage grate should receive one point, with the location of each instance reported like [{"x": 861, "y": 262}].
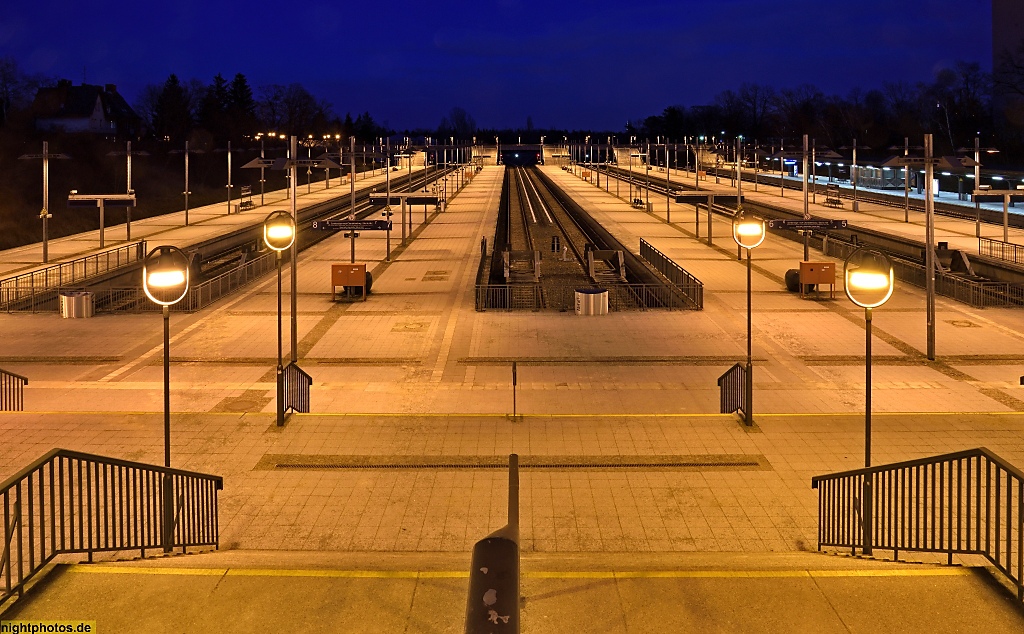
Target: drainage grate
[{"x": 298, "y": 462}]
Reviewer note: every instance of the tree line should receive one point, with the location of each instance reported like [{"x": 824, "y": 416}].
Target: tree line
[{"x": 961, "y": 103}]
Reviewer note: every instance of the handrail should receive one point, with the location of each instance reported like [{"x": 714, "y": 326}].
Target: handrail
[
  {"x": 965, "y": 503},
  {"x": 12, "y": 391},
  {"x": 73, "y": 502},
  {"x": 691, "y": 287},
  {"x": 25, "y": 286},
  {"x": 296, "y": 388},
  {"x": 1008, "y": 251},
  {"x": 732, "y": 390}
]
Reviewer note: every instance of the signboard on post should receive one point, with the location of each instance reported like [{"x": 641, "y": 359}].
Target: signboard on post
[
  {"x": 810, "y": 224},
  {"x": 349, "y": 225}
]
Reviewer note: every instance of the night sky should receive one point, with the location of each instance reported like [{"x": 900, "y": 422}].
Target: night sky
[{"x": 566, "y": 64}]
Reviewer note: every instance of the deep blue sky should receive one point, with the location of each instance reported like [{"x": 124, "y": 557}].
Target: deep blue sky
[{"x": 567, "y": 64}]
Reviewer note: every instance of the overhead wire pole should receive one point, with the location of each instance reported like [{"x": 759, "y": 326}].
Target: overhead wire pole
[
  {"x": 807, "y": 209},
  {"x": 906, "y": 181},
  {"x": 352, "y": 193},
  {"x": 668, "y": 186},
  {"x": 45, "y": 214},
  {"x": 387, "y": 207},
  {"x": 187, "y": 192},
  {"x": 294, "y": 172},
  {"x": 929, "y": 253}
]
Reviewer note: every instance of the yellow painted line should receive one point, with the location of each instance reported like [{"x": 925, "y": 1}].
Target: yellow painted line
[
  {"x": 583, "y": 574},
  {"x": 132, "y": 570},
  {"x": 495, "y": 415}
]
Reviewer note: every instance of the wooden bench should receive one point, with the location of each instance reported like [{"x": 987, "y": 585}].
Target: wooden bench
[
  {"x": 832, "y": 196},
  {"x": 246, "y": 202}
]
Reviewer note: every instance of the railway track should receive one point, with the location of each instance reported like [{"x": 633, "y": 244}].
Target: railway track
[{"x": 546, "y": 246}]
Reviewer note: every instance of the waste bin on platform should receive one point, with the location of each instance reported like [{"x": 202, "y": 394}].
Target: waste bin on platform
[
  {"x": 591, "y": 301},
  {"x": 76, "y": 304}
]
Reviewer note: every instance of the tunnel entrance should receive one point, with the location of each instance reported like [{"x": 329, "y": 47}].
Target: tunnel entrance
[{"x": 520, "y": 157}]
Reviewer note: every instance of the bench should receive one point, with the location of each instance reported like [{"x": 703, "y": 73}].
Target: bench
[
  {"x": 246, "y": 202},
  {"x": 832, "y": 196}
]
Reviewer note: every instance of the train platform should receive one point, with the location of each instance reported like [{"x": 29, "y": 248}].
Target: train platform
[
  {"x": 205, "y": 222},
  {"x": 414, "y": 377},
  {"x": 957, "y": 232}
]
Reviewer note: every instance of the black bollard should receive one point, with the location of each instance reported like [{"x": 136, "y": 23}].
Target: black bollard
[{"x": 493, "y": 603}]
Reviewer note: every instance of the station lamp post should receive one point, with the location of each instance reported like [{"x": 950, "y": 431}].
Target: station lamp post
[
  {"x": 868, "y": 280},
  {"x": 279, "y": 235},
  {"x": 748, "y": 232},
  {"x": 165, "y": 280}
]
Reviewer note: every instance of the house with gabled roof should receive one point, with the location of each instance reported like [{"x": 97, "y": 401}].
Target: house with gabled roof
[{"x": 85, "y": 109}]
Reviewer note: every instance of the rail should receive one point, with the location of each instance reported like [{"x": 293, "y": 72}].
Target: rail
[
  {"x": 732, "y": 388},
  {"x": 691, "y": 287},
  {"x": 976, "y": 293},
  {"x": 296, "y": 388},
  {"x": 964, "y": 503},
  {"x": 41, "y": 285},
  {"x": 1008, "y": 251},
  {"x": 72, "y": 502},
  {"x": 12, "y": 391}
]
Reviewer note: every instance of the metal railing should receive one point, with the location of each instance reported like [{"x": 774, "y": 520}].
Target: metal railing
[
  {"x": 24, "y": 291},
  {"x": 964, "y": 503},
  {"x": 12, "y": 392},
  {"x": 296, "y": 388},
  {"x": 976, "y": 293},
  {"x": 621, "y": 297},
  {"x": 1008, "y": 251},
  {"x": 732, "y": 387},
  {"x": 691, "y": 287},
  {"x": 72, "y": 502},
  {"x": 133, "y": 299}
]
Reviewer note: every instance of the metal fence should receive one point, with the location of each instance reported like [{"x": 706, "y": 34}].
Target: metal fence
[
  {"x": 133, "y": 299},
  {"x": 965, "y": 503},
  {"x": 691, "y": 287},
  {"x": 976, "y": 293},
  {"x": 72, "y": 502},
  {"x": 547, "y": 296},
  {"x": 1008, "y": 251},
  {"x": 296, "y": 388},
  {"x": 24, "y": 291},
  {"x": 12, "y": 391},
  {"x": 732, "y": 387}
]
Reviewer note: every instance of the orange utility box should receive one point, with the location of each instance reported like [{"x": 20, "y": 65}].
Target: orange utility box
[
  {"x": 349, "y": 275},
  {"x": 818, "y": 273}
]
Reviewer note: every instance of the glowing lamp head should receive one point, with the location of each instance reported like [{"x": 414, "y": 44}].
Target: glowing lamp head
[
  {"x": 279, "y": 231},
  {"x": 165, "y": 275},
  {"x": 869, "y": 278},
  {"x": 747, "y": 231}
]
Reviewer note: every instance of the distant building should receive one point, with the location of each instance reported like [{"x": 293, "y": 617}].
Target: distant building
[{"x": 85, "y": 109}]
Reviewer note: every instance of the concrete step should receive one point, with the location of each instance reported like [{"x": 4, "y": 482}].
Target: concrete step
[{"x": 246, "y": 591}]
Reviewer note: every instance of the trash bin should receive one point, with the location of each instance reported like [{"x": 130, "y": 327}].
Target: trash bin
[
  {"x": 591, "y": 301},
  {"x": 76, "y": 304}
]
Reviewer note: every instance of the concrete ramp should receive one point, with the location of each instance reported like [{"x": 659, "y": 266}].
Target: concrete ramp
[{"x": 247, "y": 591}]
